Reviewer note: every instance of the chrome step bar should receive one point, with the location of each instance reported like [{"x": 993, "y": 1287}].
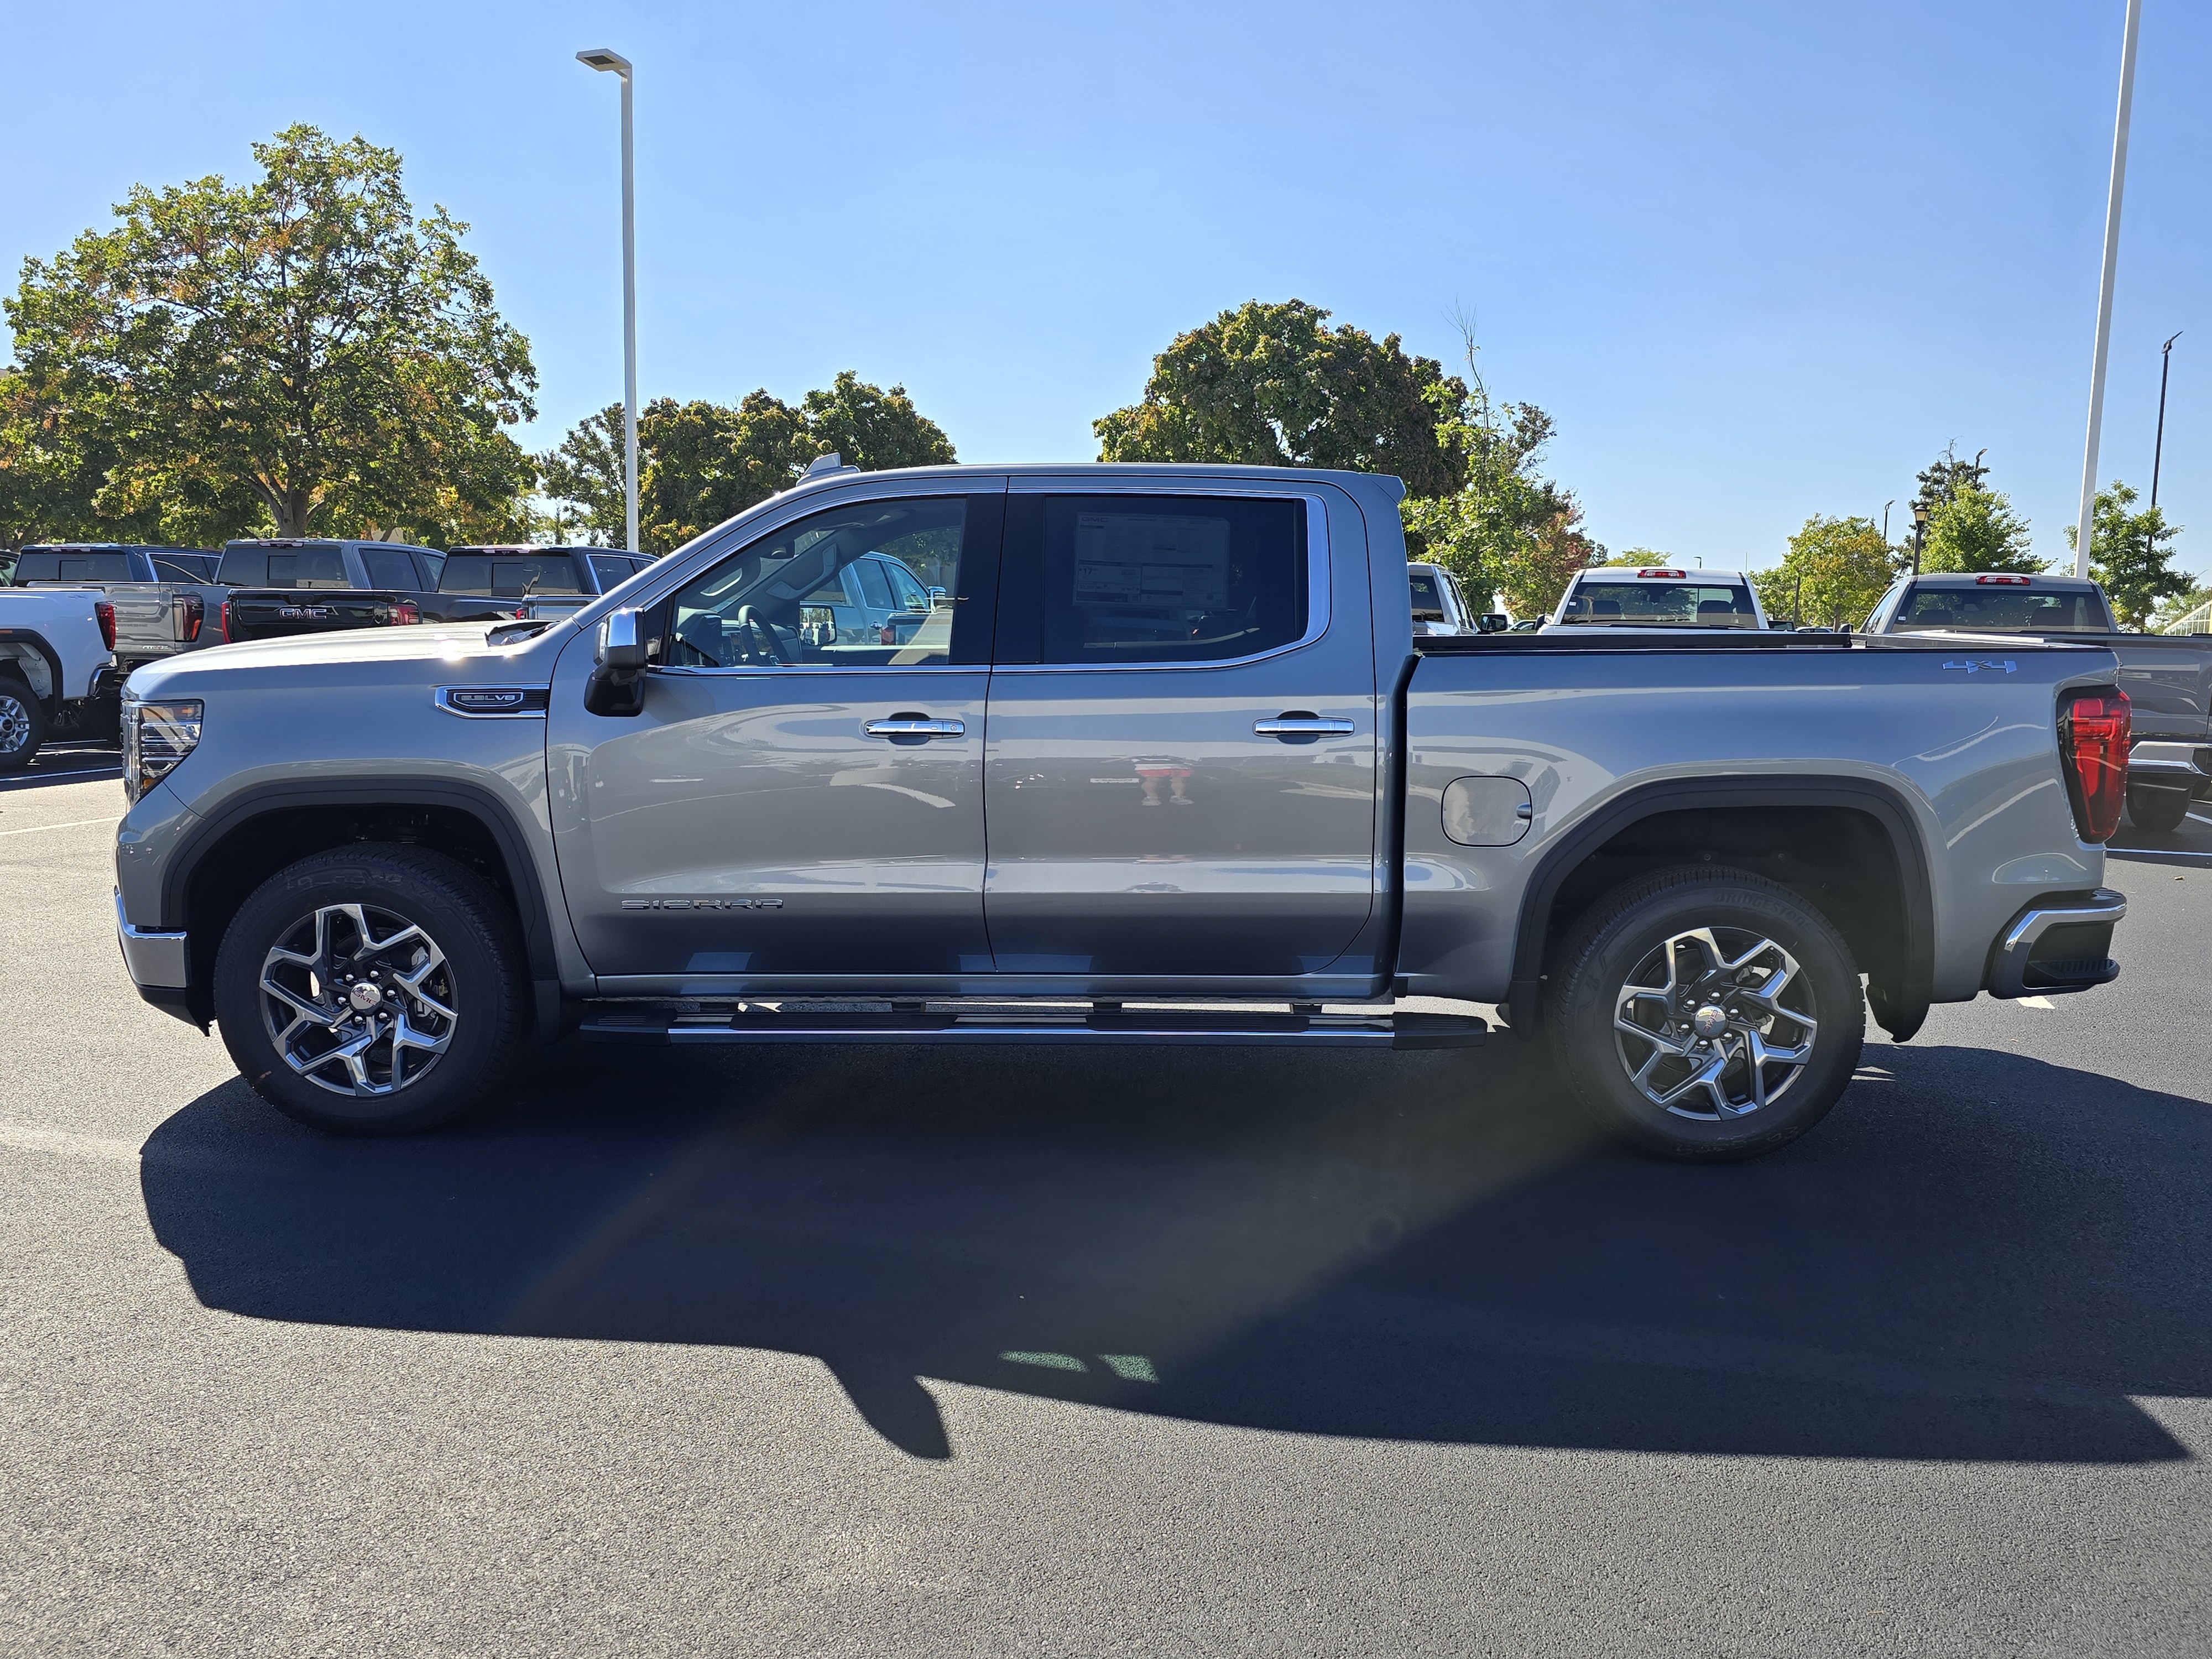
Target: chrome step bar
[{"x": 620, "y": 1023}]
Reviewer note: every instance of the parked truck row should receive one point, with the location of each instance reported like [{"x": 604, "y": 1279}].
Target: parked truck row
[{"x": 1161, "y": 735}]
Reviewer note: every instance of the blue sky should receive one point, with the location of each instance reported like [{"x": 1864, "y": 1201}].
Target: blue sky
[{"x": 1758, "y": 261}]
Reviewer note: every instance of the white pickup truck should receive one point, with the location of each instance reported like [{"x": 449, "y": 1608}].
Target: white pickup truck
[{"x": 57, "y": 672}]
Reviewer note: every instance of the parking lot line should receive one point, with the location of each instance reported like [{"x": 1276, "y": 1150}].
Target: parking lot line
[{"x": 74, "y": 823}]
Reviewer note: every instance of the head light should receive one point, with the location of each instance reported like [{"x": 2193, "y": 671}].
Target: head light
[{"x": 157, "y": 735}]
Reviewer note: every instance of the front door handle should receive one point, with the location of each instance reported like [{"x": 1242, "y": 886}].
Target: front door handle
[
  {"x": 1296, "y": 723},
  {"x": 914, "y": 727}
]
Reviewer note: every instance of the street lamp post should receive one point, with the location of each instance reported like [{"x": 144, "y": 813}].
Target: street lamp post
[
  {"x": 600, "y": 58},
  {"x": 2158, "y": 449},
  {"x": 1919, "y": 534},
  {"x": 2105, "y": 286}
]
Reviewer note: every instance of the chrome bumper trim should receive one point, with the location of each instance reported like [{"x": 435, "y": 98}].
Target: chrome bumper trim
[
  {"x": 2008, "y": 962},
  {"x": 153, "y": 958}
]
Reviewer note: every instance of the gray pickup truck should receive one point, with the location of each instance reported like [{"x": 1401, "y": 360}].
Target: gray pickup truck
[
  {"x": 163, "y": 600},
  {"x": 2167, "y": 677},
  {"x": 1168, "y": 749}
]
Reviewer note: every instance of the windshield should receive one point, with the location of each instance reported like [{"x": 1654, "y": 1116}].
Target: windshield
[
  {"x": 1661, "y": 605},
  {"x": 2003, "y": 610}
]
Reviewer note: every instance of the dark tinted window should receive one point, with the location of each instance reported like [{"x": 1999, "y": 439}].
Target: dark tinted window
[
  {"x": 389, "y": 566},
  {"x": 35, "y": 567},
  {"x": 243, "y": 566},
  {"x": 1428, "y": 603},
  {"x": 185, "y": 568},
  {"x": 508, "y": 575},
  {"x": 612, "y": 570},
  {"x": 307, "y": 566},
  {"x": 433, "y": 566},
  {"x": 1171, "y": 578},
  {"x": 783, "y": 600},
  {"x": 2003, "y": 609}
]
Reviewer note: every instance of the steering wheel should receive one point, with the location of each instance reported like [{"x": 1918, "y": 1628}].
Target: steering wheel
[{"x": 760, "y": 631}]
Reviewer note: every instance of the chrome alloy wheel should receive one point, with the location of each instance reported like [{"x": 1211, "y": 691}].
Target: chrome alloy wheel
[
  {"x": 15, "y": 723},
  {"x": 1715, "y": 1023},
  {"x": 358, "y": 1000}
]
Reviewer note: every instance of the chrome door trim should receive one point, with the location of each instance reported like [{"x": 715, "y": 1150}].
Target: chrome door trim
[
  {"x": 928, "y": 728},
  {"x": 1303, "y": 728},
  {"x": 1318, "y": 572}
]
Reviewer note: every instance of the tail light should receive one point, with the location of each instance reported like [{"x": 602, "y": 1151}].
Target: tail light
[
  {"x": 225, "y": 623},
  {"x": 191, "y": 613},
  {"x": 404, "y": 611},
  {"x": 106, "y": 612},
  {"x": 2092, "y": 743}
]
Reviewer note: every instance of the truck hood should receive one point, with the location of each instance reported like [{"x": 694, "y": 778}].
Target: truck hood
[{"x": 422, "y": 653}]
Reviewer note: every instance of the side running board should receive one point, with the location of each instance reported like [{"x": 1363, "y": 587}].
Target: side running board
[{"x": 614, "y": 1023}]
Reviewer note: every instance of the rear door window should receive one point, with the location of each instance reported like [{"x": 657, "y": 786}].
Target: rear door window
[
  {"x": 611, "y": 569},
  {"x": 1157, "y": 579},
  {"x": 389, "y": 567}
]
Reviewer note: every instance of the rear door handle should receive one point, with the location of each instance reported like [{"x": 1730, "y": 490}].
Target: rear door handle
[
  {"x": 908, "y": 726},
  {"x": 1298, "y": 725}
]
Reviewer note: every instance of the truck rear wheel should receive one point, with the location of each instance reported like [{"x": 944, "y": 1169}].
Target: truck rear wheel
[
  {"x": 1705, "y": 1014},
  {"x": 22, "y": 724},
  {"x": 2157, "y": 811},
  {"x": 377, "y": 989}
]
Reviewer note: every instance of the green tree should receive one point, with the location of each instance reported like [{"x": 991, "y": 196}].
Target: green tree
[
  {"x": 1976, "y": 529},
  {"x": 1943, "y": 478},
  {"x": 701, "y": 464},
  {"x": 2129, "y": 558},
  {"x": 1839, "y": 567},
  {"x": 1272, "y": 385},
  {"x": 299, "y": 350}
]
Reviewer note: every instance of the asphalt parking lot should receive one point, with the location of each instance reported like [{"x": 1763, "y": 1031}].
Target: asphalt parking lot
[{"x": 992, "y": 1352}]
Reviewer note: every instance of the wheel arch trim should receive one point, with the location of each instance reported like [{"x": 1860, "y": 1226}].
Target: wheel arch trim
[{"x": 1899, "y": 1008}]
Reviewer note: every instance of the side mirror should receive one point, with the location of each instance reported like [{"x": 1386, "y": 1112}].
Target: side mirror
[
  {"x": 616, "y": 687},
  {"x": 1493, "y": 622}
]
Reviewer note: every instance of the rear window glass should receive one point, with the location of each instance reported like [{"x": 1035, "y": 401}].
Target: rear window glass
[
  {"x": 508, "y": 575},
  {"x": 1662, "y": 605},
  {"x": 2003, "y": 610},
  {"x": 306, "y": 567},
  {"x": 1428, "y": 603},
  {"x": 74, "y": 568}
]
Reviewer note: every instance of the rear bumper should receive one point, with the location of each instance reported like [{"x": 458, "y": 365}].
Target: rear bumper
[
  {"x": 2162, "y": 765},
  {"x": 2062, "y": 942},
  {"x": 156, "y": 962}
]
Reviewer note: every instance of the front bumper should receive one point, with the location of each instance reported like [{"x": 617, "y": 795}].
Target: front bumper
[
  {"x": 2060, "y": 943},
  {"x": 157, "y": 962}
]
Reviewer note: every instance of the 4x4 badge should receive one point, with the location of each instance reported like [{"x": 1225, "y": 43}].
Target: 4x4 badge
[{"x": 1991, "y": 665}]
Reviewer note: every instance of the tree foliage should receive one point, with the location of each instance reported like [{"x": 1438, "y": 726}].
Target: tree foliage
[
  {"x": 299, "y": 352},
  {"x": 701, "y": 463},
  {"x": 1272, "y": 385},
  {"x": 1834, "y": 571},
  {"x": 1943, "y": 478},
  {"x": 1975, "y": 529},
  {"x": 2129, "y": 558}
]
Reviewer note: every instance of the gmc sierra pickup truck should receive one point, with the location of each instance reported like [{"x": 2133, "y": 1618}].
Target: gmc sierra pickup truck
[
  {"x": 2167, "y": 677},
  {"x": 1168, "y": 738},
  {"x": 284, "y": 587},
  {"x": 163, "y": 599}
]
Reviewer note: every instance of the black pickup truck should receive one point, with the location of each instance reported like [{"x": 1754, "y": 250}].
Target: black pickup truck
[{"x": 500, "y": 581}]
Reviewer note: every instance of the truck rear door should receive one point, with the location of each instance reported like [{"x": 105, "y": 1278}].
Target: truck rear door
[{"x": 1182, "y": 766}]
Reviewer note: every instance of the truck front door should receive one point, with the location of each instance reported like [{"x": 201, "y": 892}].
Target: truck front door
[
  {"x": 1182, "y": 754},
  {"x": 798, "y": 800}
]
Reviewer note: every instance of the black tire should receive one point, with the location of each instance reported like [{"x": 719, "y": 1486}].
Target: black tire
[
  {"x": 481, "y": 982},
  {"x": 22, "y": 723},
  {"x": 1619, "y": 944},
  {"x": 2157, "y": 811}
]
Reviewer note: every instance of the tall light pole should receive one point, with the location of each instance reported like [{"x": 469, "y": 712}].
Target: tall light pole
[
  {"x": 2105, "y": 286},
  {"x": 2158, "y": 449},
  {"x": 600, "y": 58}
]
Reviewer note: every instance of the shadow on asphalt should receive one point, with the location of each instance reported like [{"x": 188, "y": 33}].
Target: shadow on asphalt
[
  {"x": 1979, "y": 1256},
  {"x": 73, "y": 762}
]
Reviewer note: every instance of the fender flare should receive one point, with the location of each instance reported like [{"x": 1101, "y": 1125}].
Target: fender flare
[
  {"x": 37, "y": 641},
  {"x": 1900, "y": 1008},
  {"x": 476, "y": 801}
]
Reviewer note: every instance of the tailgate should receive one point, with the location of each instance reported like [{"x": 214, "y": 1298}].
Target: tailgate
[{"x": 277, "y": 613}]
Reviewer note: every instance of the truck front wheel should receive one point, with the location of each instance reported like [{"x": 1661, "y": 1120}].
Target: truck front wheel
[
  {"x": 377, "y": 989},
  {"x": 1705, "y": 1014},
  {"x": 22, "y": 724}
]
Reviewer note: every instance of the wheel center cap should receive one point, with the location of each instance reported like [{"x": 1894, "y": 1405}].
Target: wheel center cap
[
  {"x": 365, "y": 996},
  {"x": 1709, "y": 1021}
]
